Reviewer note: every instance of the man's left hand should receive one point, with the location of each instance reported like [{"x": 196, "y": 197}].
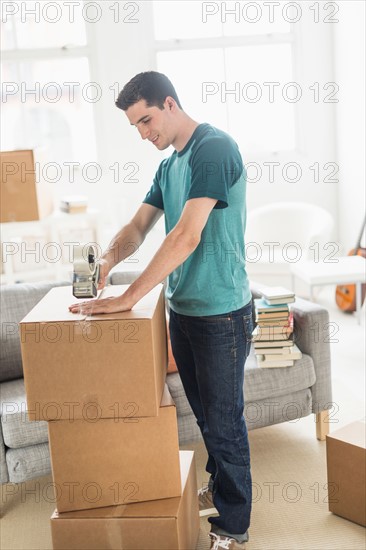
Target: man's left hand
[{"x": 104, "y": 305}]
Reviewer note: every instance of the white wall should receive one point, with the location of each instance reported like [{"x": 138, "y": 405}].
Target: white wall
[{"x": 349, "y": 65}]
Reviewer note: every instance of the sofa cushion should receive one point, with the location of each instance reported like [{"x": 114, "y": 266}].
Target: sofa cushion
[
  {"x": 4, "y": 478},
  {"x": 188, "y": 429},
  {"x": 282, "y": 408},
  {"x": 16, "y": 301},
  {"x": 265, "y": 383},
  {"x": 259, "y": 383},
  {"x": 28, "y": 463},
  {"x": 178, "y": 394},
  {"x": 123, "y": 277},
  {"x": 17, "y": 430}
]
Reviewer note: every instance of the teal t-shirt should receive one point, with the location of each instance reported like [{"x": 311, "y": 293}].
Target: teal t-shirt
[{"x": 213, "y": 279}]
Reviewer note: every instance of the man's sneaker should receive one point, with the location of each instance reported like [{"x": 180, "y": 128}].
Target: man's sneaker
[
  {"x": 205, "y": 502},
  {"x": 220, "y": 542}
]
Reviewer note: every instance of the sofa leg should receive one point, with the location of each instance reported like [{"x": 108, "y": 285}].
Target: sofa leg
[{"x": 322, "y": 424}]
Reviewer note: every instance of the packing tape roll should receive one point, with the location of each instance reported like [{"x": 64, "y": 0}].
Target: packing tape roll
[{"x": 84, "y": 260}]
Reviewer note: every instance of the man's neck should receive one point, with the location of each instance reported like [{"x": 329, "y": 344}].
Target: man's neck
[{"x": 186, "y": 129}]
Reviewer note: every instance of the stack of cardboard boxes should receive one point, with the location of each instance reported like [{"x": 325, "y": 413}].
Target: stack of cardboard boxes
[{"x": 120, "y": 481}]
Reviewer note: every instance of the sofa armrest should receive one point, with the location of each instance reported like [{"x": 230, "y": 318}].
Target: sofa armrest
[
  {"x": 4, "y": 474},
  {"x": 123, "y": 277},
  {"x": 311, "y": 325}
]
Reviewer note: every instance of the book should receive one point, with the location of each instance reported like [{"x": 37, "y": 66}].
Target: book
[
  {"x": 270, "y": 331},
  {"x": 73, "y": 209},
  {"x": 262, "y": 306},
  {"x": 276, "y": 325},
  {"x": 293, "y": 353},
  {"x": 278, "y": 351},
  {"x": 275, "y": 364},
  {"x": 73, "y": 204},
  {"x": 269, "y": 336},
  {"x": 273, "y": 343},
  {"x": 278, "y": 295},
  {"x": 271, "y": 316},
  {"x": 273, "y": 322},
  {"x": 279, "y": 301}
]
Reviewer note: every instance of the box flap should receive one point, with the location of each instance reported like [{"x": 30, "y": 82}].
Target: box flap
[
  {"x": 54, "y": 306},
  {"x": 166, "y": 508},
  {"x": 353, "y": 434}
]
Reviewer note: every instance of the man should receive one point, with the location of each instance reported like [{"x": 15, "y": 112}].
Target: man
[{"x": 200, "y": 189}]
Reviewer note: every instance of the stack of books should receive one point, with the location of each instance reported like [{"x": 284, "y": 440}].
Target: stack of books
[
  {"x": 74, "y": 204},
  {"x": 273, "y": 336}
]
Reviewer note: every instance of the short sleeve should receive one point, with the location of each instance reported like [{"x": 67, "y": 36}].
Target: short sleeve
[
  {"x": 216, "y": 165},
  {"x": 154, "y": 196}
]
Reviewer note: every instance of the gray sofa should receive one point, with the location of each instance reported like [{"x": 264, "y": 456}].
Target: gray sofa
[{"x": 271, "y": 395}]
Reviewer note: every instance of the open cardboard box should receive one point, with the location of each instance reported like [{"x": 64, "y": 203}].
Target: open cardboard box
[
  {"x": 115, "y": 460},
  {"x": 101, "y": 366},
  {"x": 169, "y": 524}
]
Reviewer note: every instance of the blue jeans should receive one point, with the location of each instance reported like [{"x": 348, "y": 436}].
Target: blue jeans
[{"x": 210, "y": 353}]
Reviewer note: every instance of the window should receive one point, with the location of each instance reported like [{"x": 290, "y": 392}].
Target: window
[
  {"x": 46, "y": 95},
  {"x": 232, "y": 65}
]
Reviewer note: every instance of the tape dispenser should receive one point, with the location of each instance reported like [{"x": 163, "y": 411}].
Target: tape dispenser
[{"x": 86, "y": 272}]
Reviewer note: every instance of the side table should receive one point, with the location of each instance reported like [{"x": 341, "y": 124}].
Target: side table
[{"x": 344, "y": 270}]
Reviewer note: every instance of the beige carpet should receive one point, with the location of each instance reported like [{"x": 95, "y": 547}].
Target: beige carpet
[
  {"x": 289, "y": 498},
  {"x": 290, "y": 510}
]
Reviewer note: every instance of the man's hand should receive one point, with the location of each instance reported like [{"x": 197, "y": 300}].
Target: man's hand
[{"x": 104, "y": 305}]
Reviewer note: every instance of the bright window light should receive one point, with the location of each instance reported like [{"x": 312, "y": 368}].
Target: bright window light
[
  {"x": 43, "y": 25},
  {"x": 261, "y": 113},
  {"x": 46, "y": 113},
  {"x": 230, "y": 72}
]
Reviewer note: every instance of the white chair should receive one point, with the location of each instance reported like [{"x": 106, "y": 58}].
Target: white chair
[{"x": 282, "y": 233}]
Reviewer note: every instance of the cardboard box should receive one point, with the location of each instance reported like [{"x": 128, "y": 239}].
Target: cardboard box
[
  {"x": 115, "y": 460},
  {"x": 101, "y": 366},
  {"x": 25, "y": 195},
  {"x": 169, "y": 524},
  {"x": 346, "y": 465}
]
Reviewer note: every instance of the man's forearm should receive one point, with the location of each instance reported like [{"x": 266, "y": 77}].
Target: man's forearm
[
  {"x": 176, "y": 248},
  {"x": 125, "y": 243}
]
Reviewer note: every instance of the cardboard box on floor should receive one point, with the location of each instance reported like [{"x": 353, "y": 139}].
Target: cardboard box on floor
[
  {"x": 101, "y": 366},
  {"x": 25, "y": 194},
  {"x": 346, "y": 465},
  {"x": 169, "y": 524},
  {"x": 115, "y": 460}
]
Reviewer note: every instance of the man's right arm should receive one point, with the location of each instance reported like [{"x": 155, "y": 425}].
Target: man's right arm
[{"x": 128, "y": 239}]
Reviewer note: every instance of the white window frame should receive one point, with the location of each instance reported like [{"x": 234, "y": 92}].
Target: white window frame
[
  {"x": 66, "y": 51},
  {"x": 222, "y": 42}
]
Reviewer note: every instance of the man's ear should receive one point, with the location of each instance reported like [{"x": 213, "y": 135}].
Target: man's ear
[{"x": 170, "y": 103}]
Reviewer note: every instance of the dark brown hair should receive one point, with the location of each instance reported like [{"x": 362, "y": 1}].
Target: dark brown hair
[{"x": 151, "y": 86}]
